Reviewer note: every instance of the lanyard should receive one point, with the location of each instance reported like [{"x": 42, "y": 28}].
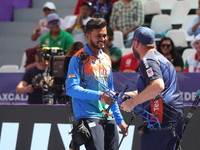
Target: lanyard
[{"x": 104, "y": 8}]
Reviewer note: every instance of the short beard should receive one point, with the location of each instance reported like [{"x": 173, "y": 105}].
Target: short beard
[
  {"x": 94, "y": 45},
  {"x": 136, "y": 54}
]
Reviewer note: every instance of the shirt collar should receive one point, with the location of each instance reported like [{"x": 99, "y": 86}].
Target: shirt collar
[
  {"x": 60, "y": 35},
  {"x": 87, "y": 50}
]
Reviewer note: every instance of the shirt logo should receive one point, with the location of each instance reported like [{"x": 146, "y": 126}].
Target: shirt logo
[
  {"x": 136, "y": 38},
  {"x": 47, "y": 41},
  {"x": 149, "y": 72},
  {"x": 92, "y": 62},
  {"x": 128, "y": 62},
  {"x": 71, "y": 76},
  {"x": 145, "y": 63}
]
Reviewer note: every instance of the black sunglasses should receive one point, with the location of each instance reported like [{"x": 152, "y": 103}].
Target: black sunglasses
[
  {"x": 47, "y": 9},
  {"x": 53, "y": 23},
  {"x": 167, "y": 45}
]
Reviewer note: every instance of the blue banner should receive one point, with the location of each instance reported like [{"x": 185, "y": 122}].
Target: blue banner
[
  {"x": 8, "y": 96},
  {"x": 189, "y": 84}
]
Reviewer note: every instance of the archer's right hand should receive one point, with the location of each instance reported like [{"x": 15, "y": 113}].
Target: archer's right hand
[{"x": 105, "y": 98}]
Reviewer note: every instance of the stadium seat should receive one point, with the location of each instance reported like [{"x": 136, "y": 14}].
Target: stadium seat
[
  {"x": 118, "y": 39},
  {"x": 178, "y": 37},
  {"x": 143, "y": 1},
  {"x": 188, "y": 52},
  {"x": 151, "y": 8},
  {"x": 22, "y": 69},
  {"x": 186, "y": 24},
  {"x": 126, "y": 51},
  {"x": 160, "y": 23},
  {"x": 9, "y": 68},
  {"x": 179, "y": 10},
  {"x": 166, "y": 4},
  {"x": 193, "y": 4}
]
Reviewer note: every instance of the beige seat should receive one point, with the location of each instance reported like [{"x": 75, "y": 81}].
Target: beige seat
[
  {"x": 186, "y": 24},
  {"x": 178, "y": 37},
  {"x": 188, "y": 52},
  {"x": 126, "y": 51},
  {"x": 160, "y": 23},
  {"x": 179, "y": 10},
  {"x": 118, "y": 39},
  {"x": 193, "y": 4},
  {"x": 9, "y": 68},
  {"x": 143, "y": 1},
  {"x": 23, "y": 62},
  {"x": 166, "y": 4},
  {"x": 152, "y": 7}
]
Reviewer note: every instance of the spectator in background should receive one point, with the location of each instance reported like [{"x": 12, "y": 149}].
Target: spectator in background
[
  {"x": 167, "y": 48},
  {"x": 28, "y": 84},
  {"x": 76, "y": 24},
  {"x": 56, "y": 37},
  {"x": 42, "y": 26},
  {"x": 194, "y": 29},
  {"x": 74, "y": 48},
  {"x": 192, "y": 64},
  {"x": 126, "y": 16},
  {"x": 129, "y": 63},
  {"x": 78, "y": 5},
  {"x": 102, "y": 9},
  {"x": 114, "y": 52}
]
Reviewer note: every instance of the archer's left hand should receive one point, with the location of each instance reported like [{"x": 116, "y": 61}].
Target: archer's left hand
[{"x": 123, "y": 127}]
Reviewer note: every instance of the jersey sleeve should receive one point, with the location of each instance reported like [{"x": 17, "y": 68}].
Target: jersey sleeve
[{"x": 150, "y": 69}]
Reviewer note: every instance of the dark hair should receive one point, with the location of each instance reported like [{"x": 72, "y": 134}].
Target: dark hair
[
  {"x": 110, "y": 32},
  {"x": 95, "y": 23},
  {"x": 87, "y": 3},
  {"x": 171, "y": 42},
  {"x": 74, "y": 48}
]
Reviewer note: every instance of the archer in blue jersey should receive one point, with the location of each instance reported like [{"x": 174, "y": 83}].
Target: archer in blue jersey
[
  {"x": 88, "y": 73},
  {"x": 157, "y": 76}
]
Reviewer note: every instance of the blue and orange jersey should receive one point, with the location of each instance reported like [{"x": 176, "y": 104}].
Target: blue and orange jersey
[
  {"x": 153, "y": 66},
  {"x": 87, "y": 73}
]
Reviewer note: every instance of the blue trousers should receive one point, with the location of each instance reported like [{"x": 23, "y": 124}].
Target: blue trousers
[
  {"x": 160, "y": 140},
  {"x": 104, "y": 137}
]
